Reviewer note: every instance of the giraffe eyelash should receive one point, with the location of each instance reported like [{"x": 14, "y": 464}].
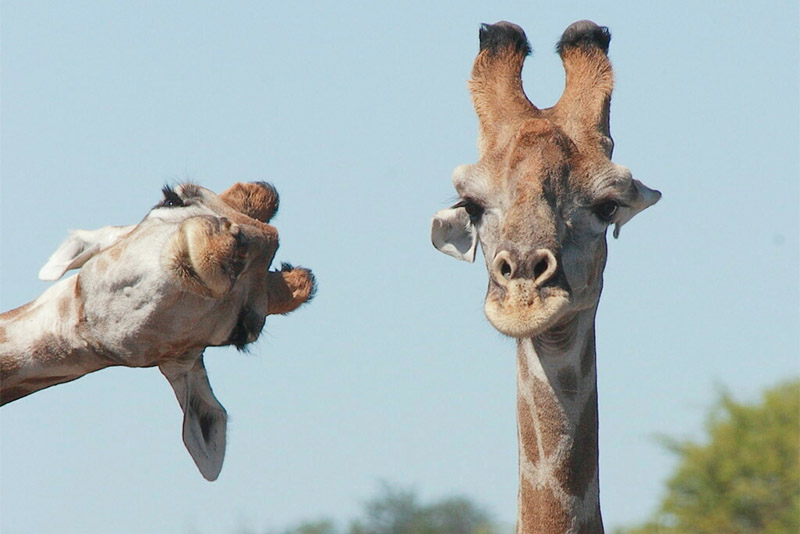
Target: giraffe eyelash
[
  {"x": 473, "y": 208},
  {"x": 171, "y": 198}
]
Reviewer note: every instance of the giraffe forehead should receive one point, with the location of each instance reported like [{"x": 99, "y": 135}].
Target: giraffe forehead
[
  {"x": 244, "y": 204},
  {"x": 198, "y": 201},
  {"x": 540, "y": 159},
  {"x": 579, "y": 179},
  {"x": 543, "y": 158}
]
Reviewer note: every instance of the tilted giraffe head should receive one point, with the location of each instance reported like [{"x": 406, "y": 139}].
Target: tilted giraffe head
[
  {"x": 195, "y": 272},
  {"x": 194, "y": 252},
  {"x": 544, "y": 190}
]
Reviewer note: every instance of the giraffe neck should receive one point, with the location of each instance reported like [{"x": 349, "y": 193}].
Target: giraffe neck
[
  {"x": 40, "y": 343},
  {"x": 557, "y": 430}
]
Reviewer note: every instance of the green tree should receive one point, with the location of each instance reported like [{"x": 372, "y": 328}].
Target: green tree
[
  {"x": 398, "y": 511},
  {"x": 745, "y": 479},
  {"x": 323, "y": 526}
]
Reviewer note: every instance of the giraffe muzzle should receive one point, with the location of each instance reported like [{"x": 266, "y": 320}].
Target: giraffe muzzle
[
  {"x": 526, "y": 296},
  {"x": 538, "y": 267}
]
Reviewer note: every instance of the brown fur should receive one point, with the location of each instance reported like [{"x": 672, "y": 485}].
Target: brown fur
[
  {"x": 213, "y": 253},
  {"x": 101, "y": 265},
  {"x": 584, "y": 113},
  {"x": 116, "y": 251},
  {"x": 254, "y": 200},
  {"x": 64, "y": 305},
  {"x": 544, "y": 513},
  {"x": 49, "y": 351},
  {"x": 17, "y": 313},
  {"x": 551, "y": 417},
  {"x": 78, "y": 299},
  {"x": 523, "y": 371},
  {"x": 289, "y": 289},
  {"x": 528, "y": 443}
]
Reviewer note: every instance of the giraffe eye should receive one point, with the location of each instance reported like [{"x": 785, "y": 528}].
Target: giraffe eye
[
  {"x": 473, "y": 209},
  {"x": 171, "y": 199},
  {"x": 606, "y": 210}
]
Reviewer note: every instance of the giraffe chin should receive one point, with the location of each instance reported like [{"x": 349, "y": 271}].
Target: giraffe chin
[{"x": 521, "y": 313}]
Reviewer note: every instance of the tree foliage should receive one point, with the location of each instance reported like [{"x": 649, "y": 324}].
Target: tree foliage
[
  {"x": 324, "y": 526},
  {"x": 398, "y": 511},
  {"x": 745, "y": 479}
]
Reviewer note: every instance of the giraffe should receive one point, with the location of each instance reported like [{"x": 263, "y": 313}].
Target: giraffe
[
  {"x": 539, "y": 201},
  {"x": 193, "y": 273}
]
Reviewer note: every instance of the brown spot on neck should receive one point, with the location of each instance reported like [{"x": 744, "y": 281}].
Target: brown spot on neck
[
  {"x": 523, "y": 370},
  {"x": 63, "y": 307},
  {"x": 540, "y": 511},
  {"x": 16, "y": 313},
  {"x": 101, "y": 264},
  {"x": 77, "y": 294},
  {"x": 116, "y": 252},
  {"x": 526, "y": 428},
  {"x": 549, "y": 414}
]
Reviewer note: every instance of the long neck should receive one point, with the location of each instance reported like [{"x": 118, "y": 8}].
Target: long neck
[
  {"x": 557, "y": 430},
  {"x": 40, "y": 344}
]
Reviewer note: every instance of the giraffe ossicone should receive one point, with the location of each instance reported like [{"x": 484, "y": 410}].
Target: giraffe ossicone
[
  {"x": 194, "y": 273},
  {"x": 539, "y": 202}
]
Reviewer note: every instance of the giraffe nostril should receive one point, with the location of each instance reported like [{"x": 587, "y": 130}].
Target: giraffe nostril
[
  {"x": 544, "y": 267},
  {"x": 540, "y": 268},
  {"x": 242, "y": 245},
  {"x": 505, "y": 270}
]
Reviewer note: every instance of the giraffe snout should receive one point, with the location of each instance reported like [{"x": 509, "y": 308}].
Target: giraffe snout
[{"x": 538, "y": 266}]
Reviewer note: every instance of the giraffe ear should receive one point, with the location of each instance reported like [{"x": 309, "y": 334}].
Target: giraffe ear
[
  {"x": 642, "y": 198},
  {"x": 205, "y": 421},
  {"x": 453, "y": 233},
  {"x": 79, "y": 248}
]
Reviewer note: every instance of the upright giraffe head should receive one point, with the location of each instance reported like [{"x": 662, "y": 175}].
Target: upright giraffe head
[{"x": 544, "y": 190}]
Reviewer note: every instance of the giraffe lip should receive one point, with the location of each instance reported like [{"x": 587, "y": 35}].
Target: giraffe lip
[{"x": 522, "y": 309}]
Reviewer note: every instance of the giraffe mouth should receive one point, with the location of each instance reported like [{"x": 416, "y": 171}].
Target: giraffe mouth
[{"x": 522, "y": 309}]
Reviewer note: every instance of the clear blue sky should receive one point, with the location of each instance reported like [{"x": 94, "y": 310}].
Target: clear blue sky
[{"x": 358, "y": 112}]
